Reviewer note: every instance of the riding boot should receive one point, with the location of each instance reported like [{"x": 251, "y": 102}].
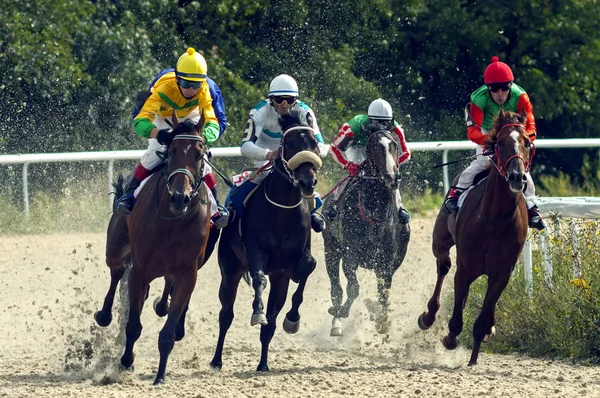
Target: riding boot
[
  {"x": 535, "y": 219},
  {"x": 451, "y": 203},
  {"x": 221, "y": 218},
  {"x": 126, "y": 202},
  {"x": 317, "y": 222},
  {"x": 404, "y": 216}
]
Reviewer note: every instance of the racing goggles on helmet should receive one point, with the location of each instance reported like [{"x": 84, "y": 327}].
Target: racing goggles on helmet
[
  {"x": 189, "y": 84},
  {"x": 504, "y": 87},
  {"x": 280, "y": 99}
]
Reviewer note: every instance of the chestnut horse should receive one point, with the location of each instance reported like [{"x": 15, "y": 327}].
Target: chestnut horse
[
  {"x": 366, "y": 231},
  {"x": 489, "y": 232},
  {"x": 275, "y": 239},
  {"x": 165, "y": 236}
]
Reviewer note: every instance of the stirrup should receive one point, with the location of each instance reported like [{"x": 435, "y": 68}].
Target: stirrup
[
  {"x": 221, "y": 218},
  {"x": 451, "y": 205},
  {"x": 317, "y": 222},
  {"x": 404, "y": 216}
]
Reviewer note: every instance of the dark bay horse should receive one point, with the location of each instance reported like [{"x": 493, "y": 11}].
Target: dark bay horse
[
  {"x": 165, "y": 236},
  {"x": 366, "y": 231},
  {"x": 489, "y": 232},
  {"x": 274, "y": 241}
]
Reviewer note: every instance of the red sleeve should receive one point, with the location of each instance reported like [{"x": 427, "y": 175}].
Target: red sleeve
[
  {"x": 524, "y": 104},
  {"x": 336, "y": 152},
  {"x": 405, "y": 155},
  {"x": 474, "y": 132}
]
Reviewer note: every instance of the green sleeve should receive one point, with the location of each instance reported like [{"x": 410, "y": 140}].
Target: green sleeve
[
  {"x": 143, "y": 127},
  {"x": 211, "y": 132}
]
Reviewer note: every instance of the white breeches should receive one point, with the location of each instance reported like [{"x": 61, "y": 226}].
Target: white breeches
[{"x": 482, "y": 163}]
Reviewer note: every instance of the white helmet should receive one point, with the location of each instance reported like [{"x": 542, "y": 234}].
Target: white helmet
[
  {"x": 283, "y": 85},
  {"x": 380, "y": 109}
]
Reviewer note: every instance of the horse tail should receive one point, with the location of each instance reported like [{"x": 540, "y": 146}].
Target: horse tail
[
  {"x": 246, "y": 277},
  {"x": 119, "y": 187}
]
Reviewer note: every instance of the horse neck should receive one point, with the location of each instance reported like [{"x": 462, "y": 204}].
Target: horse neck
[
  {"x": 498, "y": 201},
  {"x": 280, "y": 189}
]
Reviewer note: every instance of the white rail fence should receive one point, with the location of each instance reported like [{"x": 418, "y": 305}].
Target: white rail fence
[{"x": 565, "y": 207}]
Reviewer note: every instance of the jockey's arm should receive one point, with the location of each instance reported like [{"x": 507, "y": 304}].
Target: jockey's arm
[
  {"x": 211, "y": 124},
  {"x": 218, "y": 105},
  {"x": 143, "y": 122},
  {"x": 474, "y": 127},
  {"x": 343, "y": 140},
  {"x": 405, "y": 155},
  {"x": 524, "y": 104},
  {"x": 248, "y": 147}
]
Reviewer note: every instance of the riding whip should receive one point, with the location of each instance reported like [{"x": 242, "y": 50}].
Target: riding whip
[
  {"x": 488, "y": 153},
  {"x": 223, "y": 176}
]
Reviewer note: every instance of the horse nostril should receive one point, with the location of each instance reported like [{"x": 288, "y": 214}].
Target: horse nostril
[
  {"x": 524, "y": 178},
  {"x": 315, "y": 182},
  {"x": 187, "y": 200}
]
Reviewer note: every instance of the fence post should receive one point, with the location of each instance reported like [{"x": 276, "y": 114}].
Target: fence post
[
  {"x": 547, "y": 250},
  {"x": 528, "y": 264},
  {"x": 26, "y": 190},
  {"x": 445, "y": 171},
  {"x": 111, "y": 166}
]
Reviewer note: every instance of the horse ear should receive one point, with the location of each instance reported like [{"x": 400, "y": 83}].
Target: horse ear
[
  {"x": 501, "y": 115},
  {"x": 175, "y": 119},
  {"x": 200, "y": 124},
  {"x": 523, "y": 115}
]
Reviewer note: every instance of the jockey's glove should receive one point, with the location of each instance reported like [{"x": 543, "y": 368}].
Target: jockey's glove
[
  {"x": 164, "y": 137},
  {"x": 353, "y": 168}
]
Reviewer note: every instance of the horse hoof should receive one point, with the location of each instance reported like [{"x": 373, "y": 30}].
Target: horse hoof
[
  {"x": 263, "y": 368},
  {"x": 491, "y": 335},
  {"x": 291, "y": 327},
  {"x": 449, "y": 343},
  {"x": 258, "y": 319},
  {"x": 102, "y": 320},
  {"x": 216, "y": 366},
  {"x": 336, "y": 328},
  {"x": 160, "y": 309},
  {"x": 159, "y": 381},
  {"x": 421, "y": 323}
]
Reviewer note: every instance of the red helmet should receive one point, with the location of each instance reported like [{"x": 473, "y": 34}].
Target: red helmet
[{"x": 497, "y": 72}]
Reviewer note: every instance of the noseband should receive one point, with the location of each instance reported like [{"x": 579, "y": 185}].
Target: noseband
[
  {"x": 289, "y": 165},
  {"x": 502, "y": 166}
]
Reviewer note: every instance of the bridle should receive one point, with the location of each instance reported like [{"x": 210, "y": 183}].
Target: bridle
[
  {"x": 196, "y": 182},
  {"x": 389, "y": 135},
  {"x": 502, "y": 166}
]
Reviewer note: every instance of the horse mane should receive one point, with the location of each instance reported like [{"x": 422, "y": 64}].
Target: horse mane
[
  {"x": 292, "y": 119},
  {"x": 185, "y": 127},
  {"x": 500, "y": 121}
]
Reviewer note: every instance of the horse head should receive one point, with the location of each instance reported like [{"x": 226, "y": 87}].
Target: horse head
[
  {"x": 513, "y": 150},
  {"x": 382, "y": 158},
  {"x": 299, "y": 153},
  {"x": 185, "y": 164}
]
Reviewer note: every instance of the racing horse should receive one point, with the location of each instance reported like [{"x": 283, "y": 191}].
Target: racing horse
[
  {"x": 165, "y": 236},
  {"x": 272, "y": 239},
  {"x": 489, "y": 232},
  {"x": 366, "y": 231}
]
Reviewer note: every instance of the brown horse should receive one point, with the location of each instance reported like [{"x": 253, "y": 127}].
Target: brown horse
[
  {"x": 489, "y": 232},
  {"x": 165, "y": 235}
]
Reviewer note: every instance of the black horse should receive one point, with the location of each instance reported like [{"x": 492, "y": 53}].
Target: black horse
[
  {"x": 366, "y": 232},
  {"x": 274, "y": 241}
]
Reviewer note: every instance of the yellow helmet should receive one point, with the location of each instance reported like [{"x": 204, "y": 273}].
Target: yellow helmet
[{"x": 191, "y": 66}]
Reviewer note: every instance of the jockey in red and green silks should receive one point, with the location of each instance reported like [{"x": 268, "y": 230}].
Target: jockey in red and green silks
[
  {"x": 498, "y": 92},
  {"x": 349, "y": 147}
]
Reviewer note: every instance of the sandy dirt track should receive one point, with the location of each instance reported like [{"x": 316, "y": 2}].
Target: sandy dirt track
[{"x": 50, "y": 287}]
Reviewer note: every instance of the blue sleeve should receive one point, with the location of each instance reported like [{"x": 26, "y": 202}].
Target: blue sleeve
[{"x": 218, "y": 105}]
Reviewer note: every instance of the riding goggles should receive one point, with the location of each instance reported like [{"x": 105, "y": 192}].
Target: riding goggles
[
  {"x": 494, "y": 88},
  {"x": 279, "y": 100},
  {"x": 189, "y": 84}
]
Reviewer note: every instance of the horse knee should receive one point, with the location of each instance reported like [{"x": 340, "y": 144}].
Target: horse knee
[
  {"x": 305, "y": 267},
  {"x": 444, "y": 265},
  {"x": 166, "y": 341},
  {"x": 259, "y": 281}
]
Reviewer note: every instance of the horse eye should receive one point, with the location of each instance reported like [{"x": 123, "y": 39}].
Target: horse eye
[{"x": 527, "y": 144}]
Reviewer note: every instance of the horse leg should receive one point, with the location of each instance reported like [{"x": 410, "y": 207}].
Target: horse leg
[
  {"x": 161, "y": 305},
  {"x": 306, "y": 266},
  {"x": 227, "y": 294},
  {"x": 256, "y": 261},
  {"x": 384, "y": 284},
  {"x": 104, "y": 316},
  {"x": 277, "y": 296},
  {"x": 462, "y": 282},
  {"x": 213, "y": 237},
  {"x": 484, "y": 324},
  {"x": 137, "y": 293},
  {"x": 333, "y": 255},
  {"x": 183, "y": 287},
  {"x": 180, "y": 329},
  {"x": 352, "y": 289},
  {"x": 442, "y": 242}
]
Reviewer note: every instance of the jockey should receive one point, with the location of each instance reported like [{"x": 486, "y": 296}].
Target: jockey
[
  {"x": 349, "y": 147},
  {"x": 181, "y": 88},
  {"x": 498, "y": 92},
  {"x": 262, "y": 138}
]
